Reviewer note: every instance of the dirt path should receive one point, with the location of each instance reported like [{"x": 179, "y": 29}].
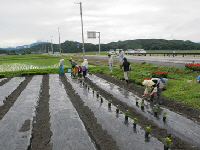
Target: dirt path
[
  {"x": 10, "y": 100},
  {"x": 101, "y": 138},
  {"x": 156, "y": 130},
  {"x": 41, "y": 128}
]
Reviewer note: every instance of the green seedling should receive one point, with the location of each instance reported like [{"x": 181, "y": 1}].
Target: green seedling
[
  {"x": 168, "y": 143},
  {"x": 142, "y": 104},
  {"x": 164, "y": 115},
  {"x": 135, "y": 123},
  {"x": 136, "y": 99},
  {"x": 155, "y": 109},
  {"x": 109, "y": 102},
  {"x": 126, "y": 115},
  {"x": 117, "y": 110},
  {"x": 147, "y": 131},
  {"x": 97, "y": 93}
]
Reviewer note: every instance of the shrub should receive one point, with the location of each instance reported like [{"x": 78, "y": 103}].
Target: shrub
[
  {"x": 158, "y": 74},
  {"x": 192, "y": 66}
]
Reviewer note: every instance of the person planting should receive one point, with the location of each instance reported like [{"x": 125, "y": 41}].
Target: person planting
[
  {"x": 85, "y": 68},
  {"x": 127, "y": 67},
  {"x": 157, "y": 87},
  {"x": 73, "y": 65},
  {"x": 61, "y": 66}
]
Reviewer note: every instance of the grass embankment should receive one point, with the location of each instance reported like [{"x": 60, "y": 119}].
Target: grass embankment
[{"x": 181, "y": 85}]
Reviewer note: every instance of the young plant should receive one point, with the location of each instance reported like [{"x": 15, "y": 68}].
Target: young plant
[
  {"x": 164, "y": 115},
  {"x": 168, "y": 143},
  {"x": 117, "y": 110},
  {"x": 93, "y": 90},
  {"x": 142, "y": 104},
  {"x": 97, "y": 93},
  {"x": 136, "y": 99},
  {"x": 126, "y": 115},
  {"x": 155, "y": 109},
  {"x": 147, "y": 130},
  {"x": 135, "y": 123},
  {"x": 109, "y": 102}
]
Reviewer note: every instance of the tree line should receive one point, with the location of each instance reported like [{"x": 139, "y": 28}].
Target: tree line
[{"x": 146, "y": 44}]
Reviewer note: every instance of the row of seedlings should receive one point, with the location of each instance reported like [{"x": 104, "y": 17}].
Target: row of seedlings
[{"x": 147, "y": 128}]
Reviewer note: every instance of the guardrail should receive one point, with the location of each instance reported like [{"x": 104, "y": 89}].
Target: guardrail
[{"x": 165, "y": 54}]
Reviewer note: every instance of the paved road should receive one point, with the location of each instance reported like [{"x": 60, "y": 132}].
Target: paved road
[{"x": 177, "y": 61}]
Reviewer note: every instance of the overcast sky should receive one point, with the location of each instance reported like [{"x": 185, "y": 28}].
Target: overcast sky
[{"x": 27, "y": 21}]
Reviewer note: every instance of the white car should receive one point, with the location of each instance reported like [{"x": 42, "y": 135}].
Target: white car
[
  {"x": 111, "y": 52},
  {"x": 129, "y": 51}
]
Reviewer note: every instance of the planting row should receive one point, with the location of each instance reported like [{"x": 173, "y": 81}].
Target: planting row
[
  {"x": 175, "y": 124},
  {"x": 121, "y": 130},
  {"x": 68, "y": 131}
]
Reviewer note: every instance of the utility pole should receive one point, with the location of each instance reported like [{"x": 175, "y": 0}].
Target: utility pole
[
  {"x": 99, "y": 44},
  {"x": 82, "y": 28},
  {"x": 59, "y": 39},
  {"x": 51, "y": 45}
]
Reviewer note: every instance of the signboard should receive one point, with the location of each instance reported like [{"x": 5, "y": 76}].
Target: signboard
[{"x": 91, "y": 34}]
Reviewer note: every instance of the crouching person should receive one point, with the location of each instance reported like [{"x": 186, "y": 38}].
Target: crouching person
[
  {"x": 73, "y": 65},
  {"x": 157, "y": 88},
  {"x": 84, "y": 68}
]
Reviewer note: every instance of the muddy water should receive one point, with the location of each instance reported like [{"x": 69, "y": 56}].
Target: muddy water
[
  {"x": 9, "y": 87},
  {"x": 16, "y": 125},
  {"x": 176, "y": 124},
  {"x": 66, "y": 126},
  {"x": 121, "y": 131}
]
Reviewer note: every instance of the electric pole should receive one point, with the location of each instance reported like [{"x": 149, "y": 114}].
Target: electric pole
[
  {"x": 82, "y": 28},
  {"x": 59, "y": 39},
  {"x": 51, "y": 45}
]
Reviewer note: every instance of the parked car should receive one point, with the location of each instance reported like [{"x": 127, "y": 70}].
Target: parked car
[
  {"x": 129, "y": 51},
  {"x": 111, "y": 52},
  {"x": 117, "y": 51},
  {"x": 140, "y": 51}
]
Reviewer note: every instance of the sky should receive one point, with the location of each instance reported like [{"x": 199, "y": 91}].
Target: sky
[{"x": 27, "y": 21}]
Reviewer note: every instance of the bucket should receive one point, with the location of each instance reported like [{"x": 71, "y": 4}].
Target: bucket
[{"x": 69, "y": 70}]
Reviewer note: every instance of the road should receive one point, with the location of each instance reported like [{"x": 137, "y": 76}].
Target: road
[{"x": 177, "y": 61}]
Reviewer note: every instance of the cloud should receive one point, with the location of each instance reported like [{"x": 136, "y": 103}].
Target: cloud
[{"x": 26, "y": 21}]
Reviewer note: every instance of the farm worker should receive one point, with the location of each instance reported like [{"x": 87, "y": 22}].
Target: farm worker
[
  {"x": 61, "y": 66},
  {"x": 198, "y": 79},
  {"x": 110, "y": 62},
  {"x": 73, "y": 64},
  {"x": 157, "y": 87},
  {"x": 147, "y": 84},
  {"x": 121, "y": 58},
  {"x": 84, "y": 68},
  {"x": 127, "y": 67},
  {"x": 79, "y": 69}
]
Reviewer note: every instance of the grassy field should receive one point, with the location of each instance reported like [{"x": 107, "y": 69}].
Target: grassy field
[
  {"x": 16, "y": 65},
  {"x": 181, "y": 85}
]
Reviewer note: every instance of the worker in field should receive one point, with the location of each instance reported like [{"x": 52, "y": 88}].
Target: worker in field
[
  {"x": 79, "y": 70},
  {"x": 121, "y": 57},
  {"x": 61, "y": 66},
  {"x": 126, "y": 66},
  {"x": 110, "y": 62},
  {"x": 85, "y": 68},
  {"x": 157, "y": 88},
  {"x": 73, "y": 65}
]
